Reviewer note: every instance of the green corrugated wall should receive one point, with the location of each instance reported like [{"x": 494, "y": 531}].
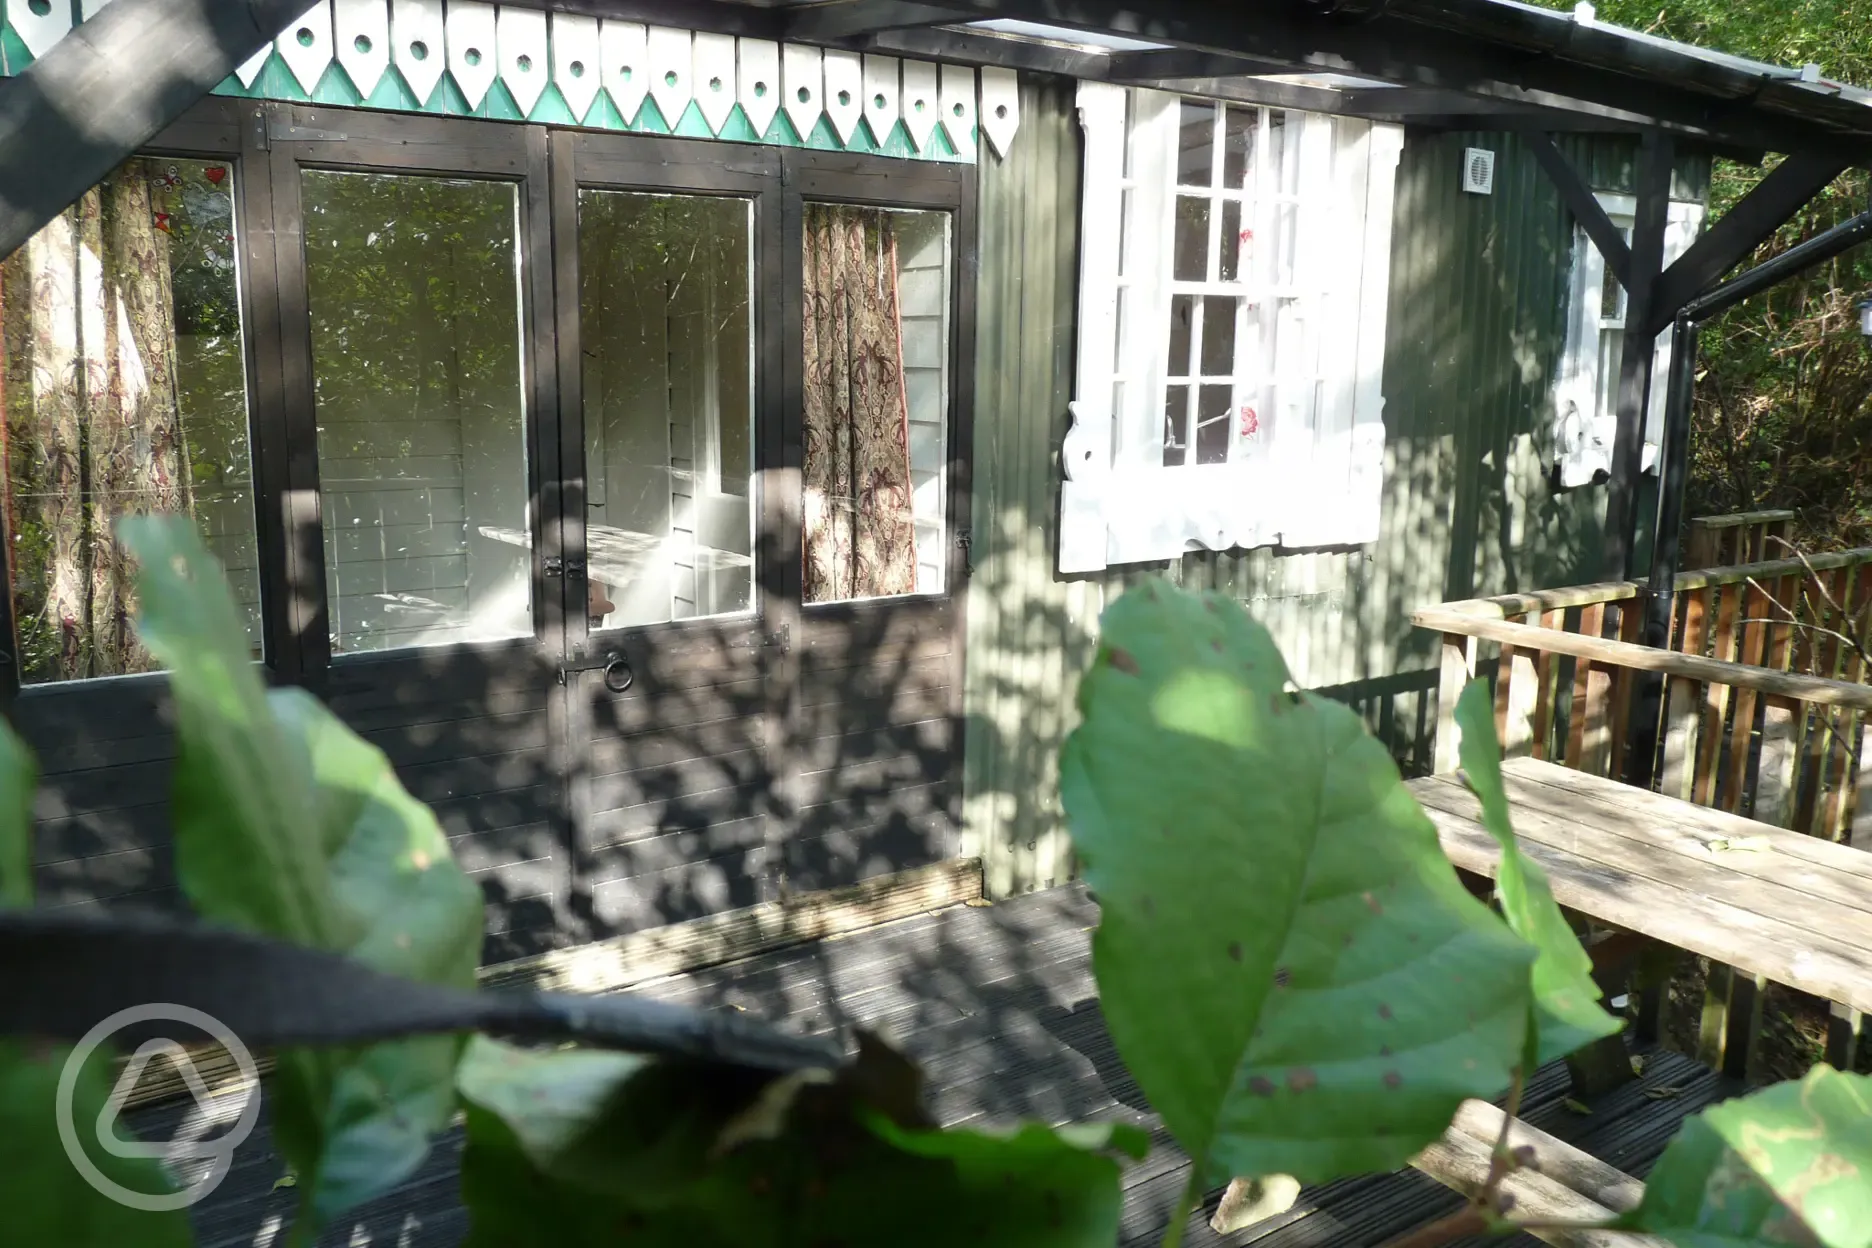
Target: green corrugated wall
[{"x": 1476, "y": 324}]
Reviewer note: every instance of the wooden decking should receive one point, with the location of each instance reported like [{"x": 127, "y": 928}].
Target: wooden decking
[
  {"x": 1778, "y": 904},
  {"x": 998, "y": 1003}
]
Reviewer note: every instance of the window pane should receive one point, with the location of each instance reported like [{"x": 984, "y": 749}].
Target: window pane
[
  {"x": 416, "y": 331},
  {"x": 667, "y": 338},
  {"x": 1611, "y": 354},
  {"x": 1282, "y": 168},
  {"x": 1212, "y": 424},
  {"x": 1231, "y": 240},
  {"x": 125, "y": 392},
  {"x": 876, "y": 401},
  {"x": 1611, "y": 292},
  {"x": 1218, "y": 338},
  {"x": 1182, "y": 313},
  {"x": 1176, "y": 425},
  {"x": 1238, "y": 140},
  {"x": 1192, "y": 240},
  {"x": 1196, "y": 145}
]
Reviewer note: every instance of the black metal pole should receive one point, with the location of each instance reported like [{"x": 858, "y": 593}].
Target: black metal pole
[
  {"x": 1674, "y": 459},
  {"x": 1666, "y": 538}
]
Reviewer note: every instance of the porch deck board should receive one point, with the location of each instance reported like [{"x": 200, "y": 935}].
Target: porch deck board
[
  {"x": 998, "y": 1003},
  {"x": 1765, "y": 900}
]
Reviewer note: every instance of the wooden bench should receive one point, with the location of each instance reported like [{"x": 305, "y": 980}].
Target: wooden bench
[
  {"x": 1555, "y": 1183},
  {"x": 1774, "y": 904}
]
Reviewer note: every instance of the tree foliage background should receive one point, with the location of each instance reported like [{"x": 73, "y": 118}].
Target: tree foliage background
[{"x": 1782, "y": 415}]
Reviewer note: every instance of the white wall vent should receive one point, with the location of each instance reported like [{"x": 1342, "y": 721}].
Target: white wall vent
[{"x": 1478, "y": 171}]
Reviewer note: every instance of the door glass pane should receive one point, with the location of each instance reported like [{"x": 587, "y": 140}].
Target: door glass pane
[
  {"x": 414, "y": 285},
  {"x": 876, "y": 417},
  {"x": 124, "y": 392},
  {"x": 668, "y": 339},
  {"x": 1195, "y": 144}
]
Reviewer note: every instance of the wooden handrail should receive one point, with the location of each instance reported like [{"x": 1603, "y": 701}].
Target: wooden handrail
[
  {"x": 1449, "y": 619},
  {"x": 1504, "y": 606}
]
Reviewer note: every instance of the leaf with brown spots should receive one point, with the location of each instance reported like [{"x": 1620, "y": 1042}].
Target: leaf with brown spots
[
  {"x": 1789, "y": 1166},
  {"x": 1567, "y": 1013},
  {"x": 1301, "y": 869}
]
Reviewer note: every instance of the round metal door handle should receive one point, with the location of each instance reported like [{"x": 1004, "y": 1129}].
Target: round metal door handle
[{"x": 618, "y": 675}]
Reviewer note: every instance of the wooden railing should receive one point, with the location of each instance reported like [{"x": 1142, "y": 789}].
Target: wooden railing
[
  {"x": 1765, "y": 711},
  {"x": 1738, "y": 538}
]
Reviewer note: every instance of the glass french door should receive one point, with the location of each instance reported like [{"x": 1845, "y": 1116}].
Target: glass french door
[
  {"x": 668, "y": 388},
  {"x": 412, "y": 464},
  {"x": 880, "y": 322}
]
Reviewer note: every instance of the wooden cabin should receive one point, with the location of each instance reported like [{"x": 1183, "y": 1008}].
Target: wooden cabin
[{"x": 695, "y": 440}]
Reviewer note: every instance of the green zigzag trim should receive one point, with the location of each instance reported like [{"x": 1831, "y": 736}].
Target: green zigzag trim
[{"x": 392, "y": 94}]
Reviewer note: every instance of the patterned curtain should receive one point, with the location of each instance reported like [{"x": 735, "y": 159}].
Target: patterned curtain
[
  {"x": 860, "y": 538},
  {"x": 89, "y": 425}
]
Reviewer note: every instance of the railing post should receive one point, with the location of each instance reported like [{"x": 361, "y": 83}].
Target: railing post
[{"x": 1458, "y": 669}]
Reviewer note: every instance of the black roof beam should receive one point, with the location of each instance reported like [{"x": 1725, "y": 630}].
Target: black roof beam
[
  {"x": 1707, "y": 100},
  {"x": 109, "y": 86},
  {"x": 1152, "y": 64},
  {"x": 1584, "y": 206},
  {"x": 1753, "y": 219},
  {"x": 844, "y": 19}
]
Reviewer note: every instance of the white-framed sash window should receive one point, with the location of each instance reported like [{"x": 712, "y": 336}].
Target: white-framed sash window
[{"x": 1235, "y": 268}]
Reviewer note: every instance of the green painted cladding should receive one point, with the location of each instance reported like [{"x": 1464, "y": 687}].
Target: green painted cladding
[{"x": 1476, "y": 327}]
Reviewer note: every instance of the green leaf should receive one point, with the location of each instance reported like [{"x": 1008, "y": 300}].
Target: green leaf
[
  {"x": 290, "y": 824},
  {"x": 1788, "y": 1165},
  {"x": 575, "y": 1148},
  {"x": 1287, "y": 961},
  {"x": 45, "y": 1197},
  {"x": 1567, "y": 1014},
  {"x": 19, "y": 778}
]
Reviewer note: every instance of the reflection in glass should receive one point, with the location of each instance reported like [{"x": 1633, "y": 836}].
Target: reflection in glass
[
  {"x": 124, "y": 392},
  {"x": 667, "y": 336},
  {"x": 876, "y": 391},
  {"x": 1191, "y": 261},
  {"x": 416, "y": 331},
  {"x": 1218, "y": 337},
  {"x": 1182, "y": 312},
  {"x": 1233, "y": 241},
  {"x": 1195, "y": 143},
  {"x": 1238, "y": 139},
  {"x": 1212, "y": 424},
  {"x": 1176, "y": 425}
]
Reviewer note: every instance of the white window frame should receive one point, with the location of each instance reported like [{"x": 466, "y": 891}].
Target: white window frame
[
  {"x": 1586, "y": 382},
  {"x": 1311, "y": 473}
]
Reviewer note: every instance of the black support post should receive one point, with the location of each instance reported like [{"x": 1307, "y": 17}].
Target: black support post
[{"x": 1634, "y": 393}]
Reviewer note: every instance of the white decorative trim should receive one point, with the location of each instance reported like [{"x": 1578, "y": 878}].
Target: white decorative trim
[
  {"x": 802, "y": 83},
  {"x": 714, "y": 80},
  {"x": 362, "y": 32},
  {"x": 1000, "y": 108},
  {"x": 39, "y": 32},
  {"x": 525, "y": 62},
  {"x": 672, "y": 70},
  {"x": 844, "y": 93},
  {"x": 881, "y": 93},
  {"x": 419, "y": 44},
  {"x": 473, "y": 48},
  {"x": 921, "y": 107},
  {"x": 625, "y": 49},
  {"x": 250, "y": 68},
  {"x": 956, "y": 97},
  {"x": 306, "y": 45},
  {"x": 757, "y": 85},
  {"x": 1086, "y": 454},
  {"x": 1583, "y": 433},
  {"x": 578, "y": 65}
]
